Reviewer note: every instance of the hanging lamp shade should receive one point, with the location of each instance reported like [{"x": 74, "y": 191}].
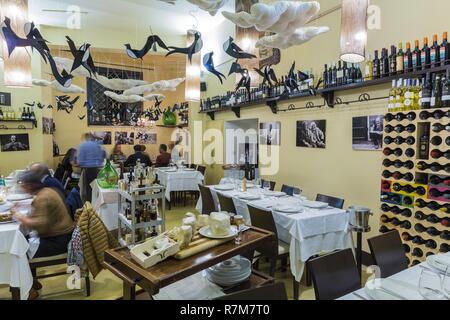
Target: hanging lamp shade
[
  {"x": 17, "y": 66},
  {"x": 354, "y": 30},
  {"x": 193, "y": 73}
]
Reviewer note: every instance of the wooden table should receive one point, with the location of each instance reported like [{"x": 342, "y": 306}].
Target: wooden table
[{"x": 120, "y": 263}]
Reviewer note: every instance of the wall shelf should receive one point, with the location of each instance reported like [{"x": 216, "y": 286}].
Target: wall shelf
[
  {"x": 328, "y": 93},
  {"x": 19, "y": 126},
  {"x": 173, "y": 126}
]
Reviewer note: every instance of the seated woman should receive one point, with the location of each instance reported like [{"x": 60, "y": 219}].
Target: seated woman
[
  {"x": 49, "y": 221},
  {"x": 117, "y": 155}
]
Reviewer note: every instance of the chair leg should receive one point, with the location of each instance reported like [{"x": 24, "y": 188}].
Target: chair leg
[
  {"x": 87, "y": 285},
  {"x": 273, "y": 266},
  {"x": 308, "y": 279},
  {"x": 296, "y": 286},
  {"x": 256, "y": 265},
  {"x": 284, "y": 263},
  {"x": 15, "y": 293}
]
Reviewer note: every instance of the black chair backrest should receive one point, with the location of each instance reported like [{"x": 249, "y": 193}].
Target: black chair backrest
[
  {"x": 262, "y": 219},
  {"x": 332, "y": 201},
  {"x": 272, "y": 184},
  {"x": 288, "y": 190},
  {"x": 193, "y": 166},
  {"x": 334, "y": 275},
  {"x": 275, "y": 291},
  {"x": 207, "y": 200},
  {"x": 201, "y": 169},
  {"x": 226, "y": 204},
  {"x": 388, "y": 253}
]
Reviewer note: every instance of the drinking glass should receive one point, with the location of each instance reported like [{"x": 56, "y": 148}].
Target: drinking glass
[
  {"x": 297, "y": 192},
  {"x": 446, "y": 283},
  {"x": 266, "y": 185},
  {"x": 430, "y": 285},
  {"x": 258, "y": 182},
  {"x": 239, "y": 222}
]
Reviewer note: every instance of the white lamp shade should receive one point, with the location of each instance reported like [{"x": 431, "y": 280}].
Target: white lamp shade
[
  {"x": 354, "y": 30},
  {"x": 17, "y": 67}
]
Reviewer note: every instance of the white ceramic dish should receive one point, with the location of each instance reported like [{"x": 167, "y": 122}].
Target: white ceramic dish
[
  {"x": 230, "y": 272},
  {"x": 315, "y": 204},
  {"x": 389, "y": 289},
  {"x": 207, "y": 232}
]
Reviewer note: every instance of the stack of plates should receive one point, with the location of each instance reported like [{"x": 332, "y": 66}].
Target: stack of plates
[
  {"x": 288, "y": 209},
  {"x": 224, "y": 187},
  {"x": 230, "y": 272}
]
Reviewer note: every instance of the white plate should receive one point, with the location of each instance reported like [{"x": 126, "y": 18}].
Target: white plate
[
  {"x": 224, "y": 282},
  {"x": 277, "y": 194},
  {"x": 224, "y": 187},
  {"x": 288, "y": 209},
  {"x": 207, "y": 232},
  {"x": 19, "y": 197},
  {"x": 435, "y": 261},
  {"x": 315, "y": 204},
  {"x": 248, "y": 196},
  {"x": 188, "y": 169},
  {"x": 389, "y": 289}
]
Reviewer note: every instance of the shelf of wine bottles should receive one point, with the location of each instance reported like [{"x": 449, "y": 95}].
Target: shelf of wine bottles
[{"x": 415, "y": 183}]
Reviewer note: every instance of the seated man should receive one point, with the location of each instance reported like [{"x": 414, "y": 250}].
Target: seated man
[
  {"x": 46, "y": 178},
  {"x": 164, "y": 157},
  {"x": 138, "y": 155}
]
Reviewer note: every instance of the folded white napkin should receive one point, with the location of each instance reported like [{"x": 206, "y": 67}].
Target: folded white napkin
[
  {"x": 443, "y": 259},
  {"x": 397, "y": 288}
]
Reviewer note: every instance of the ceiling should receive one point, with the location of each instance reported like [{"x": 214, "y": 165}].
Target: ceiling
[{"x": 164, "y": 18}]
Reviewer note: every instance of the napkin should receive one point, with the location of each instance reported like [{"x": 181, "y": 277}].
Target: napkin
[{"x": 443, "y": 259}]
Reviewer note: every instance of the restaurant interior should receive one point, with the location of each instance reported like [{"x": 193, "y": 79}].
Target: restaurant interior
[{"x": 224, "y": 150}]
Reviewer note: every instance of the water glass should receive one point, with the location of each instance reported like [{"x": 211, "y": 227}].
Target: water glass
[
  {"x": 266, "y": 185},
  {"x": 430, "y": 285},
  {"x": 239, "y": 222}
]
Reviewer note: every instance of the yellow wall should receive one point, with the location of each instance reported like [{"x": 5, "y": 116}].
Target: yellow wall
[{"x": 338, "y": 170}]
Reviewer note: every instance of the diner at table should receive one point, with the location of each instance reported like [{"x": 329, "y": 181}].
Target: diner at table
[{"x": 236, "y": 150}]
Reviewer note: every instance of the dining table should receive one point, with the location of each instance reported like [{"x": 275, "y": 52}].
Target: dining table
[
  {"x": 308, "y": 232},
  {"x": 104, "y": 202},
  {"x": 179, "y": 179},
  {"x": 404, "y": 285}
]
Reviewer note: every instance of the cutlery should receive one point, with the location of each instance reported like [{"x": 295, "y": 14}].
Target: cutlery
[
  {"x": 359, "y": 296},
  {"x": 396, "y": 295}
]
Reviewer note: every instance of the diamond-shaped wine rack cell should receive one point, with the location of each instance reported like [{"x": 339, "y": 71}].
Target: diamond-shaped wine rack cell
[{"x": 415, "y": 185}]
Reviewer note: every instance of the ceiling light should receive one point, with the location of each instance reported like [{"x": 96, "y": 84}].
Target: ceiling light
[{"x": 354, "y": 30}]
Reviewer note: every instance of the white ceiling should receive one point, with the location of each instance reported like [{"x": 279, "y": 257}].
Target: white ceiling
[{"x": 164, "y": 18}]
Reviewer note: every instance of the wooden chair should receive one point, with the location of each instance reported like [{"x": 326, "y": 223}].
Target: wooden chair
[
  {"x": 226, "y": 203},
  {"x": 332, "y": 201},
  {"x": 335, "y": 275},
  {"x": 272, "y": 184},
  {"x": 264, "y": 220},
  {"x": 388, "y": 253},
  {"x": 275, "y": 291},
  {"x": 207, "y": 200}
]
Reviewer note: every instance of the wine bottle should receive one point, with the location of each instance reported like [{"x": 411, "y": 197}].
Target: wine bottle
[
  {"x": 435, "y": 53},
  {"x": 417, "y": 252},
  {"x": 415, "y": 263},
  {"x": 446, "y": 90},
  {"x": 410, "y": 153},
  {"x": 340, "y": 74},
  {"x": 436, "y": 94},
  {"x": 376, "y": 66},
  {"x": 418, "y": 240},
  {"x": 435, "y": 180},
  {"x": 445, "y": 235},
  {"x": 431, "y": 244},
  {"x": 384, "y": 229},
  {"x": 435, "y": 193},
  {"x": 391, "y": 197},
  {"x": 325, "y": 76},
  {"x": 417, "y": 57},
  {"x": 389, "y": 128},
  {"x": 445, "y": 222},
  {"x": 445, "y": 50},
  {"x": 439, "y": 128},
  {"x": 368, "y": 70},
  {"x": 389, "y": 117},
  {"x": 427, "y": 89},
  {"x": 398, "y": 164},
  {"x": 397, "y": 152},
  {"x": 447, "y": 141},
  {"x": 408, "y": 201},
  {"x": 400, "y": 59},
  {"x": 437, "y": 154},
  {"x": 408, "y": 59},
  {"x": 398, "y": 175},
  {"x": 436, "y": 141},
  {"x": 426, "y": 54},
  {"x": 385, "y": 64},
  {"x": 393, "y": 61},
  {"x": 406, "y": 236},
  {"x": 433, "y": 205},
  {"x": 409, "y": 128},
  {"x": 334, "y": 75},
  {"x": 387, "y": 208},
  {"x": 400, "y": 140},
  {"x": 409, "y": 189},
  {"x": 435, "y": 167},
  {"x": 444, "y": 248},
  {"x": 407, "y": 248}
]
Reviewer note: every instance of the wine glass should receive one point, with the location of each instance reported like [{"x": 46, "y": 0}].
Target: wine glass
[
  {"x": 266, "y": 185},
  {"x": 446, "y": 283},
  {"x": 430, "y": 285},
  {"x": 239, "y": 222},
  {"x": 258, "y": 182}
]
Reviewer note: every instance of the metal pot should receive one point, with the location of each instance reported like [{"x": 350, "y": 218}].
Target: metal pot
[{"x": 359, "y": 217}]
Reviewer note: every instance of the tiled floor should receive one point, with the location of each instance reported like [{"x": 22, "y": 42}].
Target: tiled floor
[{"x": 108, "y": 287}]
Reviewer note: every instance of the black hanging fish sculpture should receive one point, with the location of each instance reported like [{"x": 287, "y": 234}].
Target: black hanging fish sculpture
[
  {"x": 268, "y": 75},
  {"x": 33, "y": 39},
  {"x": 245, "y": 81},
  {"x": 49, "y": 106},
  {"x": 82, "y": 57},
  {"x": 208, "y": 62},
  {"x": 64, "y": 104},
  {"x": 152, "y": 41},
  {"x": 236, "y": 68},
  {"x": 82, "y": 117},
  {"x": 88, "y": 105},
  {"x": 63, "y": 78},
  {"x": 233, "y": 50},
  {"x": 194, "y": 48}
]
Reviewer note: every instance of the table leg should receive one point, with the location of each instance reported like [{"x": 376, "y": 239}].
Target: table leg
[
  {"x": 129, "y": 291},
  {"x": 359, "y": 252},
  {"x": 15, "y": 293},
  {"x": 296, "y": 286}
]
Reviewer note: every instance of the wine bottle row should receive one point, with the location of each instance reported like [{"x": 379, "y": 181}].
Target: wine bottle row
[
  {"x": 429, "y": 243},
  {"x": 398, "y": 152}
]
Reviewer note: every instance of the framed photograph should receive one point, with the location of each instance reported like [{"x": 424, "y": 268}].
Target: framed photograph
[
  {"x": 270, "y": 133},
  {"x": 47, "y": 125},
  {"x": 102, "y": 137},
  {"x": 311, "y": 134},
  {"x": 368, "y": 133},
  {"x": 146, "y": 137},
  {"x": 125, "y": 138},
  {"x": 14, "y": 142}
]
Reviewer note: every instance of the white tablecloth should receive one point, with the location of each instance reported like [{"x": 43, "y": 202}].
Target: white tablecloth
[
  {"x": 14, "y": 268},
  {"x": 105, "y": 203},
  {"x": 309, "y": 233},
  {"x": 410, "y": 276},
  {"x": 180, "y": 180}
]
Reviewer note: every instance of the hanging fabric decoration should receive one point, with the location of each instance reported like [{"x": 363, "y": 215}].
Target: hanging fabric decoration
[
  {"x": 55, "y": 85},
  {"x": 159, "y": 86}
]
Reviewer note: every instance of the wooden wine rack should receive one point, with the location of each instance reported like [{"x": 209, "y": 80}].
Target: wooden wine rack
[{"x": 420, "y": 126}]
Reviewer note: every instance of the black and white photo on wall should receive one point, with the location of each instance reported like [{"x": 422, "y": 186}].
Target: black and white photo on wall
[
  {"x": 146, "y": 137},
  {"x": 367, "y": 133},
  {"x": 14, "y": 142},
  {"x": 126, "y": 138},
  {"x": 47, "y": 125},
  {"x": 102, "y": 137},
  {"x": 270, "y": 133},
  {"x": 311, "y": 134}
]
